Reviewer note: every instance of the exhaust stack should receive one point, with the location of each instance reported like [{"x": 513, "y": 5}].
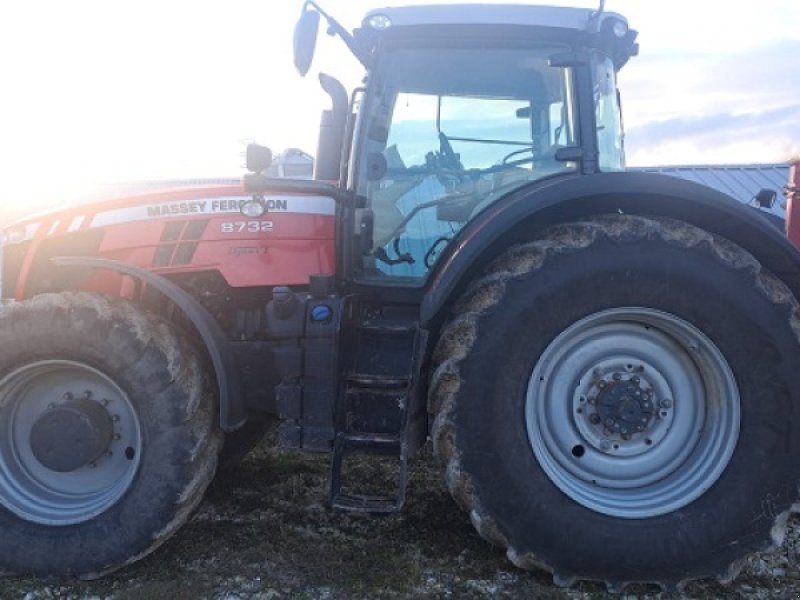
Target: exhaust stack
[{"x": 793, "y": 202}]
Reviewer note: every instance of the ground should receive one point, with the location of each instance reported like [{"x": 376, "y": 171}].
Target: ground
[{"x": 263, "y": 532}]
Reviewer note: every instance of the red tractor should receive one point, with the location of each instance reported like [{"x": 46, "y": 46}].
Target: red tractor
[{"x": 606, "y": 361}]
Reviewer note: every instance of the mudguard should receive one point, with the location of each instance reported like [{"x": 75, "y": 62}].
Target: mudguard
[
  {"x": 232, "y": 412},
  {"x": 517, "y": 217}
]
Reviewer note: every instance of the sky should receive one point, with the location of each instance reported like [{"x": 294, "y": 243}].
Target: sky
[{"x": 102, "y": 91}]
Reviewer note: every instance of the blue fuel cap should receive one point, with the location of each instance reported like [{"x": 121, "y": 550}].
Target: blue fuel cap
[{"x": 321, "y": 313}]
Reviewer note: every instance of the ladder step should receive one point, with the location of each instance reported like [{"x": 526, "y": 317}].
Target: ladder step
[
  {"x": 368, "y": 440},
  {"x": 367, "y": 443},
  {"x": 365, "y": 504},
  {"x": 387, "y": 327},
  {"x": 377, "y": 381}
]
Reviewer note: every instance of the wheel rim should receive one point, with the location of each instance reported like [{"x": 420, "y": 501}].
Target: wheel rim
[
  {"x": 35, "y": 482},
  {"x": 632, "y": 412}
]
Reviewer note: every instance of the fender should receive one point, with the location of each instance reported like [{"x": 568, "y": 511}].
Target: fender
[
  {"x": 232, "y": 413},
  {"x": 519, "y": 215}
]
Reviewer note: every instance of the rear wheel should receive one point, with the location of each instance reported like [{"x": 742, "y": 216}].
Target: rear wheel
[
  {"x": 108, "y": 434},
  {"x": 617, "y": 401}
]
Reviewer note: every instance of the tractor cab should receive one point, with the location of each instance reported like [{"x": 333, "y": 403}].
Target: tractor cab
[{"x": 463, "y": 105}]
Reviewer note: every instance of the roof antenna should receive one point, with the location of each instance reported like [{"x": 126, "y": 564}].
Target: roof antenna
[
  {"x": 600, "y": 10},
  {"x": 594, "y": 18}
]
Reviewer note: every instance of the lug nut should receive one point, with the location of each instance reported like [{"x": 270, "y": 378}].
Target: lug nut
[
  {"x": 87, "y": 394},
  {"x": 68, "y": 396},
  {"x": 115, "y": 417},
  {"x": 610, "y": 422},
  {"x": 605, "y": 445},
  {"x": 635, "y": 379},
  {"x": 617, "y": 377},
  {"x": 105, "y": 401},
  {"x": 626, "y": 436},
  {"x": 594, "y": 419},
  {"x": 117, "y": 436},
  {"x": 666, "y": 403},
  {"x": 601, "y": 384}
]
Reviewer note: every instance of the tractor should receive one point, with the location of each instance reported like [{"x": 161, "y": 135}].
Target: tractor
[{"x": 606, "y": 362}]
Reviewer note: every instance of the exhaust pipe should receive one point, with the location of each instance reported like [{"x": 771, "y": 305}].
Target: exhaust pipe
[
  {"x": 328, "y": 163},
  {"x": 793, "y": 202}
]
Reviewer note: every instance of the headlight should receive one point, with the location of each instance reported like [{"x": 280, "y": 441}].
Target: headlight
[
  {"x": 14, "y": 234},
  {"x": 379, "y": 22}
]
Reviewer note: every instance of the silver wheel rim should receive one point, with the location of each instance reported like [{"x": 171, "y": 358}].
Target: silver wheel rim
[
  {"x": 33, "y": 491},
  {"x": 632, "y": 412}
]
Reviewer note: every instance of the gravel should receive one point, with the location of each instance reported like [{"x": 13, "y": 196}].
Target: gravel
[{"x": 263, "y": 533}]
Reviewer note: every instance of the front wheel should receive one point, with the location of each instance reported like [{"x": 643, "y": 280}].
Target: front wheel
[
  {"x": 108, "y": 434},
  {"x": 617, "y": 401}
]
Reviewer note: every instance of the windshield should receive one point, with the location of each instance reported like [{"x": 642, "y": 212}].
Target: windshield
[{"x": 449, "y": 131}]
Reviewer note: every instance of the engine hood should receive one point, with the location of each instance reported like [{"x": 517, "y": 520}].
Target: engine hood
[{"x": 133, "y": 202}]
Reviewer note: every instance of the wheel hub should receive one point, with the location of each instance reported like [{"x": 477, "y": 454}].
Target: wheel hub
[
  {"x": 618, "y": 406},
  {"x": 65, "y": 458},
  {"x": 70, "y": 435},
  {"x": 624, "y": 407}
]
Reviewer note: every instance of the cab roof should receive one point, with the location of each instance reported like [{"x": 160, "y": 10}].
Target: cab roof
[
  {"x": 579, "y": 19},
  {"x": 580, "y": 26}
]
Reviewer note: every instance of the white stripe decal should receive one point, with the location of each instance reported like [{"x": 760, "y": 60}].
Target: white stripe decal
[
  {"x": 309, "y": 205},
  {"x": 53, "y": 228},
  {"x": 76, "y": 224}
]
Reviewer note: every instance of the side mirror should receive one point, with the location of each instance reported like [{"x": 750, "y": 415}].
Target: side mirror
[
  {"x": 305, "y": 40},
  {"x": 766, "y": 198}
]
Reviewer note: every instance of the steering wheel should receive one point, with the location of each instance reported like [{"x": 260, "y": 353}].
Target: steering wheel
[{"x": 515, "y": 153}]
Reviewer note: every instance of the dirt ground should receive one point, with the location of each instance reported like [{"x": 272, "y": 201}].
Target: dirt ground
[{"x": 263, "y": 532}]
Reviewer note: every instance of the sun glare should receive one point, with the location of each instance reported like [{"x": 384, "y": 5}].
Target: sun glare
[{"x": 99, "y": 92}]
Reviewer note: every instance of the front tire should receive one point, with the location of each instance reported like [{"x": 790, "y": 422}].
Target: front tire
[
  {"x": 109, "y": 434},
  {"x": 662, "y": 472}
]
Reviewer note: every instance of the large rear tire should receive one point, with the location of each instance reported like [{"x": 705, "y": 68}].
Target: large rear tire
[
  {"x": 618, "y": 401},
  {"x": 108, "y": 434}
]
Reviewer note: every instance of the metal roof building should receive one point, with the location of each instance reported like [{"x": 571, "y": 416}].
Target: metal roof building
[{"x": 742, "y": 182}]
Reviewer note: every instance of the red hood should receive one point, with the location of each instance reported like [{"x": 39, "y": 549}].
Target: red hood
[{"x": 134, "y": 196}]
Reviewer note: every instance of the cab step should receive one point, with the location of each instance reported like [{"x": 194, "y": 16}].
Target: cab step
[{"x": 370, "y": 446}]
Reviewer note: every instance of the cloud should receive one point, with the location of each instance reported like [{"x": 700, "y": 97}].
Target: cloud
[
  {"x": 720, "y": 126},
  {"x": 702, "y": 109}
]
